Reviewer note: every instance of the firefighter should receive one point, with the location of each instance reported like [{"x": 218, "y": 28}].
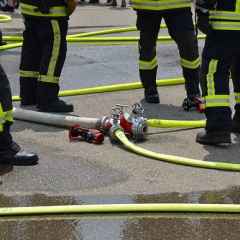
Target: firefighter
[
  {"x": 220, "y": 20},
  {"x": 178, "y": 18},
  {"x": 44, "y": 52},
  {"x": 10, "y": 151}
]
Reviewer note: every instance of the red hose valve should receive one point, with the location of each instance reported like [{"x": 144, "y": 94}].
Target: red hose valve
[{"x": 76, "y": 133}]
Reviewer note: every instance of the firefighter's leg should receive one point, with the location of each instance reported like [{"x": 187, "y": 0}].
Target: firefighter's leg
[
  {"x": 215, "y": 86},
  {"x": 54, "y": 45},
  {"x": 5, "y": 111},
  {"x": 235, "y": 74},
  {"x": 148, "y": 24},
  {"x": 10, "y": 152},
  {"x": 181, "y": 29},
  {"x": 1, "y": 39},
  {"x": 29, "y": 64}
]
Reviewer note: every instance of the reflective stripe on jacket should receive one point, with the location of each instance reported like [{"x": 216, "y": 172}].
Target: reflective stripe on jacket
[
  {"x": 33, "y": 10},
  {"x": 157, "y": 5},
  {"x": 226, "y": 15}
]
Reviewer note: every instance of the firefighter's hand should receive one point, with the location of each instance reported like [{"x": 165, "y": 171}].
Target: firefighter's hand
[
  {"x": 203, "y": 22},
  {"x": 71, "y": 6}
]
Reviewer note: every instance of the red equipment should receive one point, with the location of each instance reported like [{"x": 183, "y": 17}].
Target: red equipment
[
  {"x": 76, "y": 133},
  {"x": 194, "y": 102}
]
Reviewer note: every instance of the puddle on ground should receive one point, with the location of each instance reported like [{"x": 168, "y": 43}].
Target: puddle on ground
[{"x": 154, "y": 226}]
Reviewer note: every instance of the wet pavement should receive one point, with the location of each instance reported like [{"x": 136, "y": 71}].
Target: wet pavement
[
  {"x": 82, "y": 173},
  {"x": 124, "y": 226}
]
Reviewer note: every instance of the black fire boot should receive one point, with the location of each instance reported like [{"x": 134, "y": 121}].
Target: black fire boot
[
  {"x": 28, "y": 91},
  {"x": 1, "y": 39},
  {"x": 218, "y": 126},
  {"x": 94, "y": 2},
  {"x": 48, "y": 101},
  {"x": 148, "y": 79},
  {"x": 11, "y": 153},
  {"x": 112, "y": 3},
  {"x": 15, "y": 156},
  {"x": 214, "y": 138},
  {"x": 123, "y": 4},
  {"x": 58, "y": 106},
  {"x": 194, "y": 102},
  {"x": 151, "y": 95},
  {"x": 7, "y": 8}
]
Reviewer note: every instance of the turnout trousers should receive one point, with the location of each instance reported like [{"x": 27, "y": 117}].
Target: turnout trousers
[
  {"x": 6, "y": 117},
  {"x": 181, "y": 29},
  {"x": 42, "y": 59},
  {"x": 220, "y": 58}
]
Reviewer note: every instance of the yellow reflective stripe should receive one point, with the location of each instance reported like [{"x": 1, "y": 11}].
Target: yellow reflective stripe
[
  {"x": 9, "y": 116},
  {"x": 28, "y": 74},
  {"x": 58, "y": 11},
  {"x": 225, "y": 15},
  {"x": 2, "y": 120},
  {"x": 50, "y": 79},
  {"x": 210, "y": 77},
  {"x": 237, "y": 97},
  {"x": 218, "y": 25},
  {"x": 190, "y": 64},
  {"x": 237, "y": 9},
  {"x": 160, "y": 5},
  {"x": 217, "y": 101},
  {"x": 55, "y": 49},
  {"x": 5, "y": 116},
  {"x": 148, "y": 65}
]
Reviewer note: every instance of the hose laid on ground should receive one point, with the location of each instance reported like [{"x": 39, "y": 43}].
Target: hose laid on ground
[
  {"x": 114, "y": 87},
  {"x": 164, "y": 123},
  {"x": 10, "y": 46},
  {"x": 119, "y": 134},
  {"x": 121, "y": 208},
  {"x": 66, "y": 121},
  {"x": 5, "y": 18},
  {"x": 78, "y": 35},
  {"x": 98, "y": 39},
  {"x": 106, "y": 31},
  {"x": 52, "y": 119},
  {"x": 120, "y": 39}
]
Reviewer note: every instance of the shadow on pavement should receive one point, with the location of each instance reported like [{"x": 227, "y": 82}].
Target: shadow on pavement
[
  {"x": 19, "y": 126},
  {"x": 4, "y": 169},
  {"x": 229, "y": 154},
  {"x": 168, "y": 111}
]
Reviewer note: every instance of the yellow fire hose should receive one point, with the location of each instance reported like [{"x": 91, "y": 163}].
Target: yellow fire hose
[
  {"x": 79, "y": 35},
  {"x": 10, "y": 46},
  {"x": 107, "y": 31},
  {"x": 121, "y": 208},
  {"x": 71, "y": 39},
  {"x": 119, "y": 134},
  {"x": 163, "y": 123},
  {"x": 113, "y": 88}
]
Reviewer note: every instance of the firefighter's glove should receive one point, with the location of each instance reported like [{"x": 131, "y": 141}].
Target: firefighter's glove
[
  {"x": 203, "y": 21},
  {"x": 71, "y": 6}
]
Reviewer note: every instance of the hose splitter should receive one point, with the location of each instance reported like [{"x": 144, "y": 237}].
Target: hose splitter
[{"x": 133, "y": 124}]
